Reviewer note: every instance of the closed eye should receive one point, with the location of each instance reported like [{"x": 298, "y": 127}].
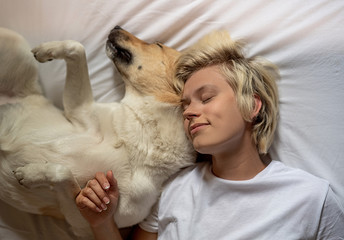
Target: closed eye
[
  {"x": 159, "y": 44},
  {"x": 206, "y": 99}
]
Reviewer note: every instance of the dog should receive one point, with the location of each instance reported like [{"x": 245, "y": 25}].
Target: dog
[{"x": 47, "y": 155}]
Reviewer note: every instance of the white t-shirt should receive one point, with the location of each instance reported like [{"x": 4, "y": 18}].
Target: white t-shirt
[{"x": 279, "y": 203}]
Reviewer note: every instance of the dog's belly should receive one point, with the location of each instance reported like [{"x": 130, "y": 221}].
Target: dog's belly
[{"x": 38, "y": 134}]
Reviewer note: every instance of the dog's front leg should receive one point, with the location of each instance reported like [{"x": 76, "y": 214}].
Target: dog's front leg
[
  {"x": 77, "y": 95},
  {"x": 60, "y": 180}
]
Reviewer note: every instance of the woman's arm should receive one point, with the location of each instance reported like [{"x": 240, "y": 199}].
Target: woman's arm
[
  {"x": 106, "y": 231},
  {"x": 140, "y": 234},
  {"x": 97, "y": 203}
]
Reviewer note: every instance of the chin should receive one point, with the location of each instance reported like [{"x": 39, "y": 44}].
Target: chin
[{"x": 201, "y": 148}]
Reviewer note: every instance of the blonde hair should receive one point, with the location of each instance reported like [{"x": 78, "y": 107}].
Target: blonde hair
[{"x": 249, "y": 78}]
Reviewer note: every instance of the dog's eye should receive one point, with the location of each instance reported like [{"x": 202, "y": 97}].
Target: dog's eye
[{"x": 159, "y": 44}]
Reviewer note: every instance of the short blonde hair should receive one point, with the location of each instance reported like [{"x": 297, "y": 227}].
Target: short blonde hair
[{"x": 248, "y": 77}]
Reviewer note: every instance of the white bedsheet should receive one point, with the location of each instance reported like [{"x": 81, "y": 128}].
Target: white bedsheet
[{"x": 304, "y": 38}]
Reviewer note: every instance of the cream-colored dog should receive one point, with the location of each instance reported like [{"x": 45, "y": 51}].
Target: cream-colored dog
[{"x": 47, "y": 155}]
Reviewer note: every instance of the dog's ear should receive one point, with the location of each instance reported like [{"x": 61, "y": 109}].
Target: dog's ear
[
  {"x": 169, "y": 97},
  {"x": 174, "y": 91},
  {"x": 178, "y": 85}
]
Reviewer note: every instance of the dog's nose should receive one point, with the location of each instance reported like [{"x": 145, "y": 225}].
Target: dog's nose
[{"x": 115, "y": 29}]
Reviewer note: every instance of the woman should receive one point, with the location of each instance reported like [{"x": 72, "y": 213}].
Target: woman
[{"x": 230, "y": 112}]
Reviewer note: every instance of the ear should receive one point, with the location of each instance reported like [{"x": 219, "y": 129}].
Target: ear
[{"x": 257, "y": 106}]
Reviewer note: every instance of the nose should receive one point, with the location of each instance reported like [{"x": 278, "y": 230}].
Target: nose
[
  {"x": 116, "y": 29},
  {"x": 191, "y": 112}
]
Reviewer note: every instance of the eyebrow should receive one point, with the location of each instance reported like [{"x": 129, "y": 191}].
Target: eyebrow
[{"x": 206, "y": 87}]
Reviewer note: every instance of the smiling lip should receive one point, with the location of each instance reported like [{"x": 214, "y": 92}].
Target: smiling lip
[{"x": 196, "y": 127}]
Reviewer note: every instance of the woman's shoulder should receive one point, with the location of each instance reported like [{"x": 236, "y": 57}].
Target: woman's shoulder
[
  {"x": 279, "y": 168},
  {"x": 279, "y": 172}
]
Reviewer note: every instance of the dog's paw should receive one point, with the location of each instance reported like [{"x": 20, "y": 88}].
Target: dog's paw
[
  {"x": 34, "y": 175},
  {"x": 45, "y": 52},
  {"x": 30, "y": 176},
  {"x": 57, "y": 50}
]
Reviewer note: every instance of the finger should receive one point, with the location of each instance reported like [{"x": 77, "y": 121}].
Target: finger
[
  {"x": 83, "y": 202},
  {"x": 113, "y": 184},
  {"x": 111, "y": 179},
  {"x": 103, "y": 181},
  {"x": 98, "y": 194},
  {"x": 92, "y": 195}
]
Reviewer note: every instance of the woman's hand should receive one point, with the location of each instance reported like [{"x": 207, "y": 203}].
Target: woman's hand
[{"x": 98, "y": 200}]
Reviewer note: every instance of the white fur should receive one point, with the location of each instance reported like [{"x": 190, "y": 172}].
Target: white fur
[{"x": 47, "y": 155}]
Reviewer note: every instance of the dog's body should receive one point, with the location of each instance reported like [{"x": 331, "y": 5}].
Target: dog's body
[{"x": 53, "y": 153}]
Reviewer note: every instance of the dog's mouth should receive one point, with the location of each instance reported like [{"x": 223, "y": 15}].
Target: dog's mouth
[
  {"x": 116, "y": 52},
  {"x": 115, "y": 49}
]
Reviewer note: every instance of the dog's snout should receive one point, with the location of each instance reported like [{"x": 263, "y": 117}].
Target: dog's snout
[
  {"x": 116, "y": 28},
  {"x": 117, "y": 46},
  {"x": 118, "y": 34}
]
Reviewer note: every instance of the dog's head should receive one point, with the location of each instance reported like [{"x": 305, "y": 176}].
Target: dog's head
[{"x": 147, "y": 68}]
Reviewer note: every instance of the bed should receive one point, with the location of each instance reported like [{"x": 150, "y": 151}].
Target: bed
[{"x": 305, "y": 39}]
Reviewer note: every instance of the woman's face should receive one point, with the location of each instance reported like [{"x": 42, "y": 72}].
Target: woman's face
[{"x": 212, "y": 119}]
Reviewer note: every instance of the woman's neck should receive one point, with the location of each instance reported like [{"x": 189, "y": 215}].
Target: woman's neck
[{"x": 243, "y": 164}]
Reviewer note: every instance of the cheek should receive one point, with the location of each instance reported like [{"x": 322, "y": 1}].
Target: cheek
[
  {"x": 186, "y": 127},
  {"x": 225, "y": 116},
  {"x": 215, "y": 110}
]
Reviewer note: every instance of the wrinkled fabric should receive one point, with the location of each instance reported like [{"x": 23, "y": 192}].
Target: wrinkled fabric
[{"x": 304, "y": 39}]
